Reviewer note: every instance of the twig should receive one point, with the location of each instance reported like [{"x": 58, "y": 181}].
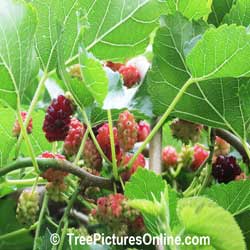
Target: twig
[{"x": 44, "y": 164}]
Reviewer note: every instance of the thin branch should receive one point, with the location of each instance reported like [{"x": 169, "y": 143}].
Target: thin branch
[{"x": 44, "y": 164}]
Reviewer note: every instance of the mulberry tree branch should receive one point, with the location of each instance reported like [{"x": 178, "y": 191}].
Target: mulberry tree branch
[{"x": 44, "y": 164}]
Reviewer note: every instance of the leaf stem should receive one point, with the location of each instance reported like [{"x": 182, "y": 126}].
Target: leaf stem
[
  {"x": 40, "y": 220},
  {"x": 112, "y": 142},
  {"x": 162, "y": 120}
]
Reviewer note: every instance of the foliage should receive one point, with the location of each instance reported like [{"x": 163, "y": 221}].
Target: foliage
[{"x": 192, "y": 61}]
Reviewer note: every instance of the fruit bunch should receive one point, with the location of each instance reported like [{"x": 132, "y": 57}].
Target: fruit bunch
[
  {"x": 114, "y": 212},
  {"x": 221, "y": 147},
  {"x": 200, "y": 156},
  {"x": 57, "y": 120},
  {"x": 169, "y": 157},
  {"x": 27, "y": 208},
  {"x": 192, "y": 157},
  {"x": 91, "y": 156},
  {"x": 130, "y": 74},
  {"x": 103, "y": 138},
  {"x": 17, "y": 128},
  {"x": 186, "y": 131},
  {"x": 127, "y": 130},
  {"x": 139, "y": 162},
  {"x": 74, "y": 137},
  {"x": 55, "y": 178},
  {"x": 226, "y": 169}
]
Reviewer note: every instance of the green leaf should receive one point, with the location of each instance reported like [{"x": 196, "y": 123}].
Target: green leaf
[
  {"x": 74, "y": 85},
  {"x": 201, "y": 216},
  {"x": 219, "y": 9},
  {"x": 239, "y": 13},
  {"x": 213, "y": 57},
  {"x": 244, "y": 223},
  {"x": 7, "y": 119},
  {"x": 234, "y": 196},
  {"x": 181, "y": 53},
  {"x": 18, "y": 22},
  {"x": 94, "y": 77},
  {"x": 146, "y": 185},
  {"x": 141, "y": 101},
  {"x": 192, "y": 9},
  {"x": 110, "y": 23},
  {"x": 50, "y": 13},
  {"x": 145, "y": 206},
  {"x": 8, "y": 223}
]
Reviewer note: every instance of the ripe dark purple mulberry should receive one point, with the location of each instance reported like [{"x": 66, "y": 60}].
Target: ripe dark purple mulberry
[
  {"x": 225, "y": 169},
  {"x": 57, "y": 119}
]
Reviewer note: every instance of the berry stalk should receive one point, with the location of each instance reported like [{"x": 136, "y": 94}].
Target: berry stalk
[
  {"x": 162, "y": 119},
  {"x": 89, "y": 127},
  {"x": 78, "y": 156},
  {"x": 64, "y": 221},
  {"x": 31, "y": 109},
  {"x": 40, "y": 219},
  {"x": 26, "y": 138},
  {"x": 112, "y": 143}
]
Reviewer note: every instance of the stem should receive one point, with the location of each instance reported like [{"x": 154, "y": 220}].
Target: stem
[
  {"x": 162, "y": 120},
  {"x": 18, "y": 232},
  {"x": 26, "y": 138},
  {"x": 35, "y": 184},
  {"x": 51, "y": 221},
  {"x": 64, "y": 221},
  {"x": 54, "y": 147},
  {"x": 93, "y": 137},
  {"x": 176, "y": 172},
  {"x": 78, "y": 156},
  {"x": 112, "y": 142},
  {"x": 63, "y": 165},
  {"x": 40, "y": 220},
  {"x": 31, "y": 109}
]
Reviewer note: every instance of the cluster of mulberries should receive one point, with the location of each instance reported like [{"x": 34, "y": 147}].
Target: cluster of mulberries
[
  {"x": 193, "y": 157},
  {"x": 27, "y": 208},
  {"x": 74, "y": 137},
  {"x": 186, "y": 131},
  {"x": 226, "y": 169},
  {"x": 55, "y": 178},
  {"x": 57, "y": 120},
  {"x": 126, "y": 134},
  {"x": 139, "y": 162},
  {"x": 130, "y": 74},
  {"x": 120, "y": 219},
  {"x": 17, "y": 128}
]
